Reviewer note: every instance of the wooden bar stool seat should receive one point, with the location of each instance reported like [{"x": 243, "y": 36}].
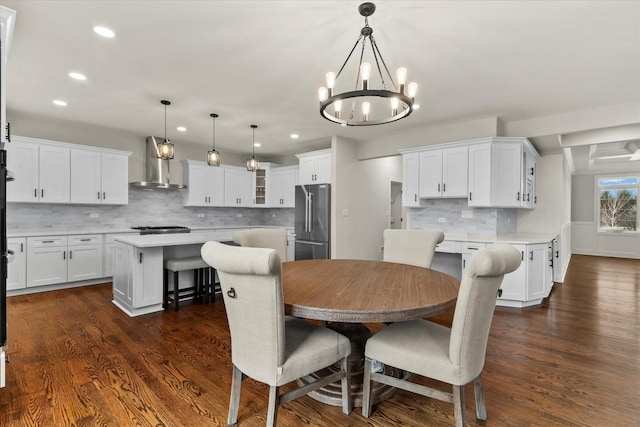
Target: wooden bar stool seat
[{"x": 203, "y": 280}]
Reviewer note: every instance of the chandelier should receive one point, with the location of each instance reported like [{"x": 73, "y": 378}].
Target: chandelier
[
  {"x": 252, "y": 163},
  {"x": 213, "y": 156},
  {"x": 164, "y": 150},
  {"x": 377, "y": 106}
]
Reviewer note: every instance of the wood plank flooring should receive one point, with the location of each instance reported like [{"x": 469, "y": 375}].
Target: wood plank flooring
[{"x": 77, "y": 360}]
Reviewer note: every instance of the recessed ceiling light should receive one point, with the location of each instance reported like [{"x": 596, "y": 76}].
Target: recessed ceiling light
[
  {"x": 77, "y": 76},
  {"x": 182, "y": 128},
  {"x": 104, "y": 32},
  {"x": 60, "y": 102},
  {"x": 416, "y": 106},
  {"x": 257, "y": 144},
  {"x": 295, "y": 136}
]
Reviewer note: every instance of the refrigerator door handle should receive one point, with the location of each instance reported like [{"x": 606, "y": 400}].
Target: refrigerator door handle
[
  {"x": 310, "y": 211},
  {"x": 309, "y": 243}
]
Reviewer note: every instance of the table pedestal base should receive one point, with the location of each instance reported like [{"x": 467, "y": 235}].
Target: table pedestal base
[{"x": 332, "y": 394}]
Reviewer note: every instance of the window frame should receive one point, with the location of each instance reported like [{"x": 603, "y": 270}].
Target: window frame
[{"x": 596, "y": 202}]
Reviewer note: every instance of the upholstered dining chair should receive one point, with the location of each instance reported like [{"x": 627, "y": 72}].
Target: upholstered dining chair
[
  {"x": 414, "y": 247},
  {"x": 266, "y": 345},
  {"x": 454, "y": 356},
  {"x": 273, "y": 238}
]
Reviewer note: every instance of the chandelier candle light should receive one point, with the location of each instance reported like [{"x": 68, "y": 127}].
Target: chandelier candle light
[
  {"x": 252, "y": 163},
  {"x": 213, "y": 156},
  {"x": 165, "y": 149},
  {"x": 400, "y": 100}
]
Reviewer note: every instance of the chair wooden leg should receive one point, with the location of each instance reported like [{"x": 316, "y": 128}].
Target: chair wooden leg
[
  {"x": 347, "y": 400},
  {"x": 274, "y": 401},
  {"x": 366, "y": 388},
  {"x": 458, "y": 406},
  {"x": 234, "y": 401},
  {"x": 481, "y": 410}
]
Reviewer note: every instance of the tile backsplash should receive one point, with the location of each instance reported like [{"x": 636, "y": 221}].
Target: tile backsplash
[
  {"x": 146, "y": 207},
  {"x": 456, "y": 217}
]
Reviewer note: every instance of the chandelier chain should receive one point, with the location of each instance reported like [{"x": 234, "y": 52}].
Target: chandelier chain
[{"x": 375, "y": 49}]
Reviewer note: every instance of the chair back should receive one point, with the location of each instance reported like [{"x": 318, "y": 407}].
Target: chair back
[
  {"x": 274, "y": 238},
  {"x": 252, "y": 291},
  {"x": 475, "y": 306},
  {"x": 413, "y": 247}
]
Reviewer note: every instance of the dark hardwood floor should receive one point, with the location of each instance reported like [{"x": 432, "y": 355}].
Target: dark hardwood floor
[{"x": 77, "y": 360}]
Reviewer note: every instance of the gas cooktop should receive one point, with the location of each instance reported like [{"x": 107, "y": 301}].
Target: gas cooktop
[{"x": 164, "y": 229}]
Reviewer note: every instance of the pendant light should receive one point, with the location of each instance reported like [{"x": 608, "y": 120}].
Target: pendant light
[
  {"x": 165, "y": 149},
  {"x": 252, "y": 163},
  {"x": 213, "y": 156}
]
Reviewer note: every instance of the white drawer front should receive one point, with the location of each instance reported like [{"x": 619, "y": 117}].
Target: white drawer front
[
  {"x": 85, "y": 239},
  {"x": 46, "y": 241}
]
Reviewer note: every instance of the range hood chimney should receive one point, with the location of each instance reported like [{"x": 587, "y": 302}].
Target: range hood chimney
[{"x": 157, "y": 170}]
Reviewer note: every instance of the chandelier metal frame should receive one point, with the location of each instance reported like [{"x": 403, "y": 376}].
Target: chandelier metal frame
[{"x": 401, "y": 103}]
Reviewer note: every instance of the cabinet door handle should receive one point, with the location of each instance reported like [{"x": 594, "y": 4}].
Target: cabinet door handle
[
  {"x": 518, "y": 196},
  {"x": 64, "y": 254},
  {"x": 521, "y": 255},
  {"x": 21, "y": 247},
  {"x": 464, "y": 263},
  {"x": 35, "y": 192},
  {"x": 470, "y": 198},
  {"x": 557, "y": 252},
  {"x": 70, "y": 254},
  {"x": 8, "y": 127},
  {"x": 415, "y": 197},
  {"x": 104, "y": 196},
  {"x": 42, "y": 193},
  {"x": 140, "y": 257},
  {"x": 444, "y": 187},
  {"x": 530, "y": 255},
  {"x": 98, "y": 195},
  {"x": 531, "y": 171},
  {"x": 438, "y": 188}
]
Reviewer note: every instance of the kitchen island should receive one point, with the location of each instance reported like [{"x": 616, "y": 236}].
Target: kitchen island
[{"x": 138, "y": 266}]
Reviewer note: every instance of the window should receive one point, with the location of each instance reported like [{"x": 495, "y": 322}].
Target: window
[{"x": 618, "y": 208}]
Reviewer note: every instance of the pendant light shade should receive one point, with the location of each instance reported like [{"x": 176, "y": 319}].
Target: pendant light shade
[
  {"x": 252, "y": 163},
  {"x": 165, "y": 149},
  {"x": 213, "y": 156}
]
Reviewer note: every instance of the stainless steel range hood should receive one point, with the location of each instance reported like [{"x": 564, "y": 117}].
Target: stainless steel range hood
[{"x": 157, "y": 170}]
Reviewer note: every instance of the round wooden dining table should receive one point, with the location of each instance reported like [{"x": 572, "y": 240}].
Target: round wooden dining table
[{"x": 348, "y": 293}]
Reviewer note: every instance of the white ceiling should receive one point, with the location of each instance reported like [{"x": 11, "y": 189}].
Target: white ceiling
[{"x": 262, "y": 61}]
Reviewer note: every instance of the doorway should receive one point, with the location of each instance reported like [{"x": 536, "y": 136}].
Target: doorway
[{"x": 395, "y": 205}]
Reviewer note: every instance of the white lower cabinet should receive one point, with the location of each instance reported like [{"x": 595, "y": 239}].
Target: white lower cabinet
[
  {"x": 137, "y": 279},
  {"x": 530, "y": 283},
  {"x": 60, "y": 259},
  {"x": 17, "y": 267}
]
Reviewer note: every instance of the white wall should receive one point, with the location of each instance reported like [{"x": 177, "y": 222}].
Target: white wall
[{"x": 362, "y": 188}]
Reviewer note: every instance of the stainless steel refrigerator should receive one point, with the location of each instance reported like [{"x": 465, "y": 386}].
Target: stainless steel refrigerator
[{"x": 313, "y": 221}]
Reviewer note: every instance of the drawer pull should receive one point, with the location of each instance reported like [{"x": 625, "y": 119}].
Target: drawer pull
[
  {"x": 85, "y": 240},
  {"x": 47, "y": 241}
]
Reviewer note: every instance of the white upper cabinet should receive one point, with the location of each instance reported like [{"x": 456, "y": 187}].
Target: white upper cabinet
[
  {"x": 238, "y": 184},
  {"x": 41, "y": 172},
  {"x": 315, "y": 167},
  {"x": 57, "y": 172},
  {"x": 99, "y": 177},
  {"x": 489, "y": 172},
  {"x": 443, "y": 173},
  {"x": 410, "y": 179},
  {"x": 205, "y": 184},
  {"x": 282, "y": 187}
]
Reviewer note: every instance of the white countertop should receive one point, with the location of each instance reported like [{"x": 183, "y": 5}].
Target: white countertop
[
  {"x": 63, "y": 231},
  {"x": 514, "y": 238},
  {"x": 176, "y": 239}
]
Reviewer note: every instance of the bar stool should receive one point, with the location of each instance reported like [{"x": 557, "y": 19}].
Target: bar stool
[{"x": 203, "y": 280}]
